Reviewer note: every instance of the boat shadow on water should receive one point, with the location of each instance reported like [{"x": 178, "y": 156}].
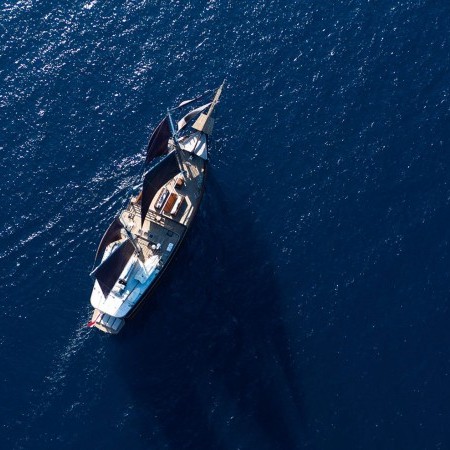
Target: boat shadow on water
[{"x": 207, "y": 359}]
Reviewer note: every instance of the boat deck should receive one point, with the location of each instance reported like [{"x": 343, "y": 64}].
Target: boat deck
[{"x": 170, "y": 214}]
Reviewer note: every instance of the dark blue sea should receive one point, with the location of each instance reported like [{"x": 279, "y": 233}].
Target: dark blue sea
[{"x": 309, "y": 305}]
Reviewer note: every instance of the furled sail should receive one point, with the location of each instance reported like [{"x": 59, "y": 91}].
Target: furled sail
[
  {"x": 192, "y": 100},
  {"x": 155, "y": 178},
  {"x": 111, "y": 235},
  {"x": 108, "y": 272},
  {"x": 190, "y": 115},
  {"x": 157, "y": 144}
]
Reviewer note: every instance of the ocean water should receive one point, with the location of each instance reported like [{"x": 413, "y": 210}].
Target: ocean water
[{"x": 309, "y": 306}]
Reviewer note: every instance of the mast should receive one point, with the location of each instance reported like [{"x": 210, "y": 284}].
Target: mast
[
  {"x": 175, "y": 140},
  {"x": 131, "y": 238}
]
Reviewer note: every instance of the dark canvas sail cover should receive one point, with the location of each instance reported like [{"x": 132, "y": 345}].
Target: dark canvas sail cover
[
  {"x": 112, "y": 234},
  {"x": 155, "y": 178},
  {"x": 108, "y": 272},
  {"x": 157, "y": 145}
]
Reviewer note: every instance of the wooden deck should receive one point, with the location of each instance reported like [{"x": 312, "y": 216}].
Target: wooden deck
[{"x": 164, "y": 226}]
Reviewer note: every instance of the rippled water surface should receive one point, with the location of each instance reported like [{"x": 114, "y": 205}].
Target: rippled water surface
[{"x": 309, "y": 306}]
